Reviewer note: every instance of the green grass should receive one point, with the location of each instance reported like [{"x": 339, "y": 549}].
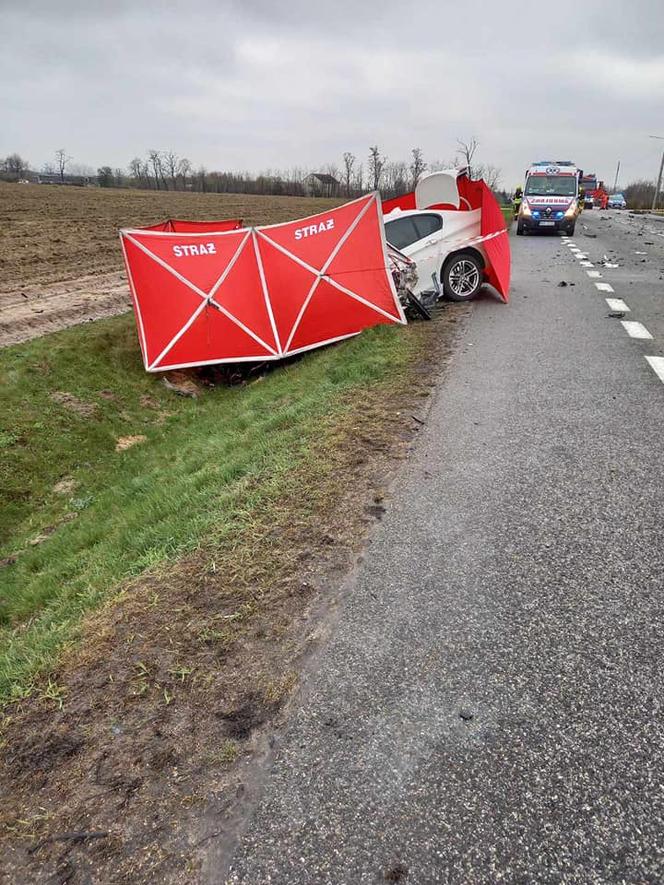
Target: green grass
[
  {"x": 507, "y": 214},
  {"x": 204, "y": 464}
]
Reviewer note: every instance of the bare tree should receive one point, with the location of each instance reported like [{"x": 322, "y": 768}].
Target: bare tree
[
  {"x": 395, "y": 178},
  {"x": 15, "y": 167},
  {"x": 376, "y": 166},
  {"x": 155, "y": 160},
  {"x": 62, "y": 160},
  {"x": 105, "y": 176},
  {"x": 466, "y": 151},
  {"x": 490, "y": 174},
  {"x": 417, "y": 166},
  {"x": 349, "y": 162},
  {"x": 184, "y": 169},
  {"x": 135, "y": 169},
  {"x": 639, "y": 194},
  {"x": 172, "y": 162}
]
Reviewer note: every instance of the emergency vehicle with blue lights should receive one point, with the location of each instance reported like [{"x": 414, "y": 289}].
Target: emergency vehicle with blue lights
[{"x": 550, "y": 197}]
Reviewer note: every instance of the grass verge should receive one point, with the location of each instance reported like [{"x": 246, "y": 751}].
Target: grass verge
[
  {"x": 81, "y": 515},
  {"x": 141, "y": 732}
]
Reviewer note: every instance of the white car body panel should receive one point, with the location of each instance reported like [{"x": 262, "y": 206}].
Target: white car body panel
[{"x": 430, "y": 253}]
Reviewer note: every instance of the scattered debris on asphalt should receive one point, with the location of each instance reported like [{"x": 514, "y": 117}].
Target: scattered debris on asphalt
[{"x": 616, "y": 314}]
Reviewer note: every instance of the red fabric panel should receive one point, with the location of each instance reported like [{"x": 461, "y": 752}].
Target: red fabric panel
[
  {"x": 470, "y": 190},
  {"x": 161, "y": 225},
  {"x": 165, "y": 303},
  {"x": 203, "y": 270},
  {"x": 179, "y": 225},
  {"x": 352, "y": 265},
  {"x": 288, "y": 284},
  {"x": 182, "y": 226},
  {"x": 252, "y": 312},
  {"x": 497, "y": 248},
  {"x": 250, "y": 283},
  {"x": 334, "y": 312},
  {"x": 212, "y": 338},
  {"x": 313, "y": 239},
  {"x": 404, "y": 202}
]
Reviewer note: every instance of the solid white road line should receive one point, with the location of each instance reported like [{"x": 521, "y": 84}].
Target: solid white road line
[
  {"x": 657, "y": 365},
  {"x": 617, "y": 304},
  {"x": 604, "y": 287},
  {"x": 593, "y": 274},
  {"x": 587, "y": 264},
  {"x": 635, "y": 330}
]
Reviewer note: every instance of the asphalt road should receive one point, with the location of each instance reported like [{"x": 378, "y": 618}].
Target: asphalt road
[{"x": 489, "y": 707}]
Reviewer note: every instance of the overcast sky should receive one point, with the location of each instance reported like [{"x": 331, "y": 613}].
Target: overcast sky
[{"x": 265, "y": 84}]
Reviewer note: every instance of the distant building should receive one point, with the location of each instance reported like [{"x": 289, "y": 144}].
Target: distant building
[
  {"x": 73, "y": 180},
  {"x": 320, "y": 184}
]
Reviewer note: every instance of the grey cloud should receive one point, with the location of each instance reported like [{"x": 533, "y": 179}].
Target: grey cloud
[{"x": 259, "y": 84}]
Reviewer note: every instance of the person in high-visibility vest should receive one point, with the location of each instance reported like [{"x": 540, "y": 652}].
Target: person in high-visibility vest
[{"x": 516, "y": 201}]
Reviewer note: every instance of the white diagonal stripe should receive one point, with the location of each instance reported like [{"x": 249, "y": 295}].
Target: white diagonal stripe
[
  {"x": 656, "y": 363},
  {"x": 635, "y": 330},
  {"x": 266, "y": 294}
]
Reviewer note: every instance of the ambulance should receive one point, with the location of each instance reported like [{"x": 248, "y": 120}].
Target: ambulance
[{"x": 550, "y": 197}]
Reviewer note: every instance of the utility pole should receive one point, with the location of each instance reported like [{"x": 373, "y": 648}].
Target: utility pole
[
  {"x": 659, "y": 177},
  {"x": 615, "y": 183}
]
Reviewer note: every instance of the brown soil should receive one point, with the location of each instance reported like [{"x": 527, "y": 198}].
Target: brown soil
[
  {"x": 60, "y": 258},
  {"x": 126, "y": 442},
  {"x": 130, "y": 762},
  {"x": 74, "y": 404}
]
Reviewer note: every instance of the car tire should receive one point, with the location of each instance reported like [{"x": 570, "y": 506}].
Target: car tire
[
  {"x": 462, "y": 276},
  {"x": 519, "y": 228},
  {"x": 570, "y": 229}
]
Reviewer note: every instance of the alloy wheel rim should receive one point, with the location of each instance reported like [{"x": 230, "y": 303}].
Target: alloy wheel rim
[{"x": 464, "y": 277}]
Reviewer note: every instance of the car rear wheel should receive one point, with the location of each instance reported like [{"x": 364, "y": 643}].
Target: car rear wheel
[{"x": 462, "y": 277}]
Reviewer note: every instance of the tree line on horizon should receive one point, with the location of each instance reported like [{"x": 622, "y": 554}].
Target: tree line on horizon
[{"x": 167, "y": 171}]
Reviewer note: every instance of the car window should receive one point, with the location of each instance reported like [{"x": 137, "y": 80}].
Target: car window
[
  {"x": 425, "y": 225},
  {"x": 401, "y": 232}
]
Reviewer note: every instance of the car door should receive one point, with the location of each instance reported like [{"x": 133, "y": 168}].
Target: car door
[
  {"x": 419, "y": 237},
  {"x": 426, "y": 251}
]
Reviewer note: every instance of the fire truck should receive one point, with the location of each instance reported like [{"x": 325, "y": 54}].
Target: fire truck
[
  {"x": 550, "y": 197},
  {"x": 589, "y": 185}
]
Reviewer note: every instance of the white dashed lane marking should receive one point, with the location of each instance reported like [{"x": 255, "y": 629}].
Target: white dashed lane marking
[
  {"x": 604, "y": 287},
  {"x": 656, "y": 363},
  {"x": 617, "y": 304},
  {"x": 593, "y": 274},
  {"x": 635, "y": 330},
  {"x": 587, "y": 264}
]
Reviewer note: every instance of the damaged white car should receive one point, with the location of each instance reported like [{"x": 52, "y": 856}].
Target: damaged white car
[{"x": 440, "y": 241}]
